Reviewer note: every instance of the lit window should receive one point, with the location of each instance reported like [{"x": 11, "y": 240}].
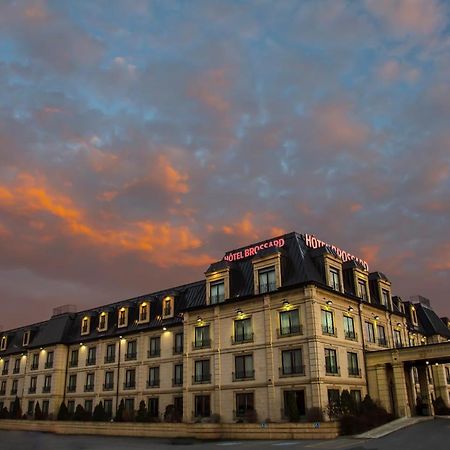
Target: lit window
[
  {"x": 331, "y": 365},
  {"x": 202, "y": 339},
  {"x": 243, "y": 331},
  {"x": 290, "y": 323},
  {"x": 123, "y": 317},
  {"x": 266, "y": 279},
  {"x": 103, "y": 321},
  {"x": 3, "y": 342},
  {"x": 349, "y": 328},
  {"x": 167, "y": 307},
  {"x": 328, "y": 323},
  {"x": 217, "y": 292},
  {"x": 335, "y": 281},
  {"x": 26, "y": 338},
  {"x": 397, "y": 339},
  {"x": 85, "y": 325},
  {"x": 370, "y": 330},
  {"x": 143, "y": 312}
]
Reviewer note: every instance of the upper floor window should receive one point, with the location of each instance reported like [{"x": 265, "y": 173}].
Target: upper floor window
[
  {"x": 328, "y": 322},
  {"x": 349, "y": 328},
  {"x": 243, "y": 367},
  {"x": 92, "y": 356},
  {"x": 85, "y": 325},
  {"x": 362, "y": 288},
  {"x": 103, "y": 321},
  {"x": 5, "y": 367},
  {"x": 167, "y": 307},
  {"x": 243, "y": 330},
  {"x": 202, "y": 337},
  {"x": 35, "y": 361},
  {"x": 381, "y": 335},
  {"x": 331, "y": 363},
  {"x": 202, "y": 372},
  {"x": 49, "y": 360},
  {"x": 289, "y": 322},
  {"x": 266, "y": 280},
  {"x": 385, "y": 297},
  {"x": 130, "y": 379},
  {"x": 110, "y": 356},
  {"x": 397, "y": 339},
  {"x": 26, "y": 338},
  {"x": 292, "y": 362},
  {"x": 335, "y": 278},
  {"x": 370, "y": 332},
  {"x": 414, "y": 315},
  {"x": 155, "y": 347},
  {"x": 217, "y": 292},
  {"x": 16, "y": 365},
  {"x": 144, "y": 315},
  {"x": 353, "y": 366},
  {"x": 178, "y": 343},
  {"x": 3, "y": 342},
  {"x": 131, "y": 350},
  {"x": 123, "y": 317},
  {"x": 73, "y": 358}
]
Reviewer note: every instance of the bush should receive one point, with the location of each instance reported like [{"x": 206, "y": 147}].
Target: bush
[
  {"x": 171, "y": 414},
  {"x": 81, "y": 414},
  {"x": 99, "y": 414},
  {"x": 4, "y": 414},
  {"x": 142, "y": 415},
  {"x": 440, "y": 408},
  {"x": 16, "y": 410},
  {"x": 63, "y": 413},
  {"x": 120, "y": 411},
  {"x": 314, "y": 414}
]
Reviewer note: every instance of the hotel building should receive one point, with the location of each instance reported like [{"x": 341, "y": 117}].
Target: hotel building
[{"x": 288, "y": 321}]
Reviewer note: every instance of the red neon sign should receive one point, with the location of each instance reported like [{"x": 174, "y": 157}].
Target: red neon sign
[{"x": 253, "y": 250}]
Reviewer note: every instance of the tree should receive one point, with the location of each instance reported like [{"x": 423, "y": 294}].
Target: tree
[
  {"x": 38, "y": 412},
  {"x": 16, "y": 410},
  {"x": 63, "y": 413},
  {"x": 80, "y": 414},
  {"x": 348, "y": 404},
  {"x": 99, "y": 414},
  {"x": 120, "y": 411},
  {"x": 142, "y": 415}
]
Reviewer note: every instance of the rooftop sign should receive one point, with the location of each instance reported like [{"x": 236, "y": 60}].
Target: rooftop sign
[
  {"x": 312, "y": 242},
  {"x": 252, "y": 250}
]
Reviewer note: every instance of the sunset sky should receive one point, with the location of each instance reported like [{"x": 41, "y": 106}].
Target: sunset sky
[{"x": 140, "y": 140}]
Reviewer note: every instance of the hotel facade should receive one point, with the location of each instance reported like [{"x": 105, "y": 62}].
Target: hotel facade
[{"x": 282, "y": 324}]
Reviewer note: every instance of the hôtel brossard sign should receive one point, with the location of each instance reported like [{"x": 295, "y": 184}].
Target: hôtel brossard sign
[
  {"x": 312, "y": 242},
  {"x": 252, "y": 250}
]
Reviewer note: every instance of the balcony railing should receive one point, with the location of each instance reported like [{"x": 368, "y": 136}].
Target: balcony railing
[
  {"x": 332, "y": 370},
  {"x": 16, "y": 370},
  {"x": 2, "y": 392},
  {"x": 177, "y": 349},
  {"x": 34, "y": 366},
  {"x": 177, "y": 381},
  {"x": 129, "y": 385},
  {"x": 153, "y": 383},
  {"x": 46, "y": 389},
  {"x": 292, "y": 371},
  {"x": 88, "y": 387},
  {"x": 242, "y": 338},
  {"x": 398, "y": 344},
  {"x": 14, "y": 391},
  {"x": 90, "y": 361},
  {"x": 154, "y": 353},
  {"x": 73, "y": 363},
  {"x": 292, "y": 330},
  {"x": 49, "y": 365},
  {"x": 354, "y": 372},
  {"x": 382, "y": 342},
  {"x": 267, "y": 287},
  {"x": 204, "y": 343},
  {"x": 108, "y": 386},
  {"x": 329, "y": 331},
  {"x": 71, "y": 388},
  {"x": 5, "y": 372},
  {"x": 201, "y": 378},
  {"x": 351, "y": 335},
  {"x": 32, "y": 390},
  {"x": 130, "y": 356},
  {"x": 244, "y": 375},
  {"x": 109, "y": 359}
]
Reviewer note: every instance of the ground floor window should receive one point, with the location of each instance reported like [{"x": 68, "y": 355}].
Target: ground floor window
[
  {"x": 294, "y": 404},
  {"x": 88, "y": 406},
  {"x": 333, "y": 402},
  {"x": 129, "y": 404},
  {"x": 71, "y": 406},
  {"x": 45, "y": 408},
  {"x": 356, "y": 395},
  {"x": 107, "y": 404},
  {"x": 202, "y": 406},
  {"x": 30, "y": 410},
  {"x": 153, "y": 407},
  {"x": 178, "y": 404},
  {"x": 244, "y": 403}
]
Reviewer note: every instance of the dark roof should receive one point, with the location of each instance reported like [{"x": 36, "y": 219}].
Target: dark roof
[{"x": 430, "y": 321}]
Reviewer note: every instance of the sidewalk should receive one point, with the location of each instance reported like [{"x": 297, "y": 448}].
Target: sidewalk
[{"x": 390, "y": 427}]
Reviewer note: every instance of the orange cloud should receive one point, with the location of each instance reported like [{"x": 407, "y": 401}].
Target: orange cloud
[
  {"x": 170, "y": 178},
  {"x": 369, "y": 252},
  {"x": 355, "y": 207}
]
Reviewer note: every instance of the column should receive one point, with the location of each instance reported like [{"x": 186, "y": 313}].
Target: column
[
  {"x": 383, "y": 387},
  {"x": 400, "y": 391},
  {"x": 440, "y": 382},
  {"x": 425, "y": 389}
]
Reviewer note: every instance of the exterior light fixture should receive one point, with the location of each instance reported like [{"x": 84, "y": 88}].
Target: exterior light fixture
[
  {"x": 239, "y": 311},
  {"x": 436, "y": 364},
  {"x": 399, "y": 324},
  {"x": 120, "y": 337},
  {"x": 42, "y": 348},
  {"x": 199, "y": 319},
  {"x": 164, "y": 329},
  {"x": 350, "y": 308},
  {"x": 81, "y": 344},
  {"x": 329, "y": 302},
  {"x": 285, "y": 302},
  {"x": 377, "y": 317},
  {"x": 427, "y": 362}
]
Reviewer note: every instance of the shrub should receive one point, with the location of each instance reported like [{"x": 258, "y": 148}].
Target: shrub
[
  {"x": 4, "y": 414},
  {"x": 314, "y": 414},
  {"x": 63, "y": 413},
  {"x": 171, "y": 414},
  {"x": 16, "y": 410},
  {"x": 142, "y": 415},
  {"x": 99, "y": 414},
  {"x": 120, "y": 411},
  {"x": 80, "y": 414},
  {"x": 38, "y": 412}
]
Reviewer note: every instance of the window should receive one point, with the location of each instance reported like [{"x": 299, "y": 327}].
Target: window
[
  {"x": 356, "y": 395},
  {"x": 202, "y": 406},
  {"x": 5, "y": 367},
  {"x": 110, "y": 356},
  {"x": 244, "y": 367},
  {"x": 244, "y": 403},
  {"x": 90, "y": 380},
  {"x": 266, "y": 279},
  {"x": 109, "y": 381},
  {"x": 292, "y": 362},
  {"x": 335, "y": 279},
  {"x": 71, "y": 406},
  {"x": 130, "y": 379},
  {"x": 14, "y": 387},
  {"x": 289, "y": 323},
  {"x": 362, "y": 288},
  {"x": 167, "y": 307},
  {"x": 155, "y": 347},
  {"x": 49, "y": 360},
  {"x": 296, "y": 400},
  {"x": 3, "y": 343},
  {"x": 45, "y": 408},
  {"x": 92, "y": 356},
  {"x": 3, "y": 388},
  {"x": 144, "y": 316},
  {"x": 328, "y": 323},
  {"x": 122, "y": 317},
  {"x": 72, "y": 384},
  {"x": 107, "y": 404},
  {"x": 385, "y": 300},
  {"x": 202, "y": 373},
  {"x": 85, "y": 325},
  {"x": 370, "y": 331},
  {"x": 177, "y": 374},
  {"x": 447, "y": 374},
  {"x": 16, "y": 368},
  {"x": 333, "y": 399},
  {"x": 131, "y": 350},
  {"x": 414, "y": 315},
  {"x": 153, "y": 377},
  {"x": 179, "y": 342},
  {"x": 331, "y": 366},
  {"x": 243, "y": 331},
  {"x": 178, "y": 404},
  {"x": 47, "y": 384},
  {"x": 88, "y": 406},
  {"x": 73, "y": 358},
  {"x": 129, "y": 404},
  {"x": 32, "y": 388},
  {"x": 202, "y": 337},
  {"x": 103, "y": 321},
  {"x": 217, "y": 292},
  {"x": 35, "y": 361},
  {"x": 26, "y": 338},
  {"x": 153, "y": 407},
  {"x": 381, "y": 336},
  {"x": 30, "y": 409},
  {"x": 397, "y": 339},
  {"x": 349, "y": 328},
  {"x": 353, "y": 367}
]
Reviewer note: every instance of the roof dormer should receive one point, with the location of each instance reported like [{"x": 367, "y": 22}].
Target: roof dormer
[
  {"x": 381, "y": 289},
  {"x": 103, "y": 321},
  {"x": 267, "y": 270},
  {"x": 3, "y": 342},
  {"x": 217, "y": 282},
  {"x": 168, "y": 306},
  {"x": 144, "y": 312},
  {"x": 357, "y": 280},
  {"x": 122, "y": 317},
  {"x": 85, "y": 325}
]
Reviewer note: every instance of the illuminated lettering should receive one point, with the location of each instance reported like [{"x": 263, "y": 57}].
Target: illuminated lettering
[{"x": 253, "y": 250}]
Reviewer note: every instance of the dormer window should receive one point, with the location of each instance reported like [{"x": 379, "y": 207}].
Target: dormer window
[
  {"x": 414, "y": 315},
  {"x": 167, "y": 307},
  {"x": 144, "y": 314},
  {"x": 335, "y": 278},
  {"x": 26, "y": 338},
  {"x": 103, "y": 321},
  {"x": 3, "y": 342},
  {"x": 362, "y": 289},
  {"x": 123, "y": 317},
  {"x": 85, "y": 325},
  {"x": 267, "y": 280},
  {"x": 385, "y": 299},
  {"x": 217, "y": 292}
]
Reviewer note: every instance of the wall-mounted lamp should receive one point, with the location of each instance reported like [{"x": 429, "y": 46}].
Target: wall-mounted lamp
[
  {"x": 436, "y": 364},
  {"x": 81, "y": 344},
  {"x": 329, "y": 302},
  {"x": 164, "y": 329},
  {"x": 399, "y": 324},
  {"x": 199, "y": 319},
  {"x": 350, "y": 308},
  {"x": 239, "y": 311},
  {"x": 377, "y": 317},
  {"x": 427, "y": 362},
  {"x": 285, "y": 302}
]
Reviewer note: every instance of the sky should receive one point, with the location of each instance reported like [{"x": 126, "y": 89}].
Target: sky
[{"x": 141, "y": 140}]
